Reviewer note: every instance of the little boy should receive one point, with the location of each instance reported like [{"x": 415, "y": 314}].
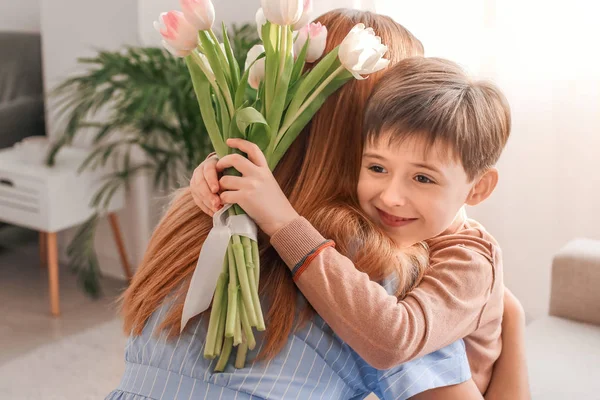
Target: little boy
[{"x": 432, "y": 138}]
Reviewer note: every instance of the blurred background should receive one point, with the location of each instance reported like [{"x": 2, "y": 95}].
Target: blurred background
[{"x": 540, "y": 53}]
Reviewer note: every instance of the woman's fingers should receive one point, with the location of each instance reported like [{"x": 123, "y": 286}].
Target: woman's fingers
[
  {"x": 237, "y": 161},
  {"x": 206, "y": 210},
  {"x": 210, "y": 174},
  {"x": 230, "y": 197},
  {"x": 202, "y": 194},
  {"x": 252, "y": 150},
  {"x": 230, "y": 182},
  {"x": 236, "y": 189},
  {"x": 200, "y": 203}
]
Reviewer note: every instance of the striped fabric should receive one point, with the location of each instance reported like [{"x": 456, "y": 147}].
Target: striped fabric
[{"x": 315, "y": 364}]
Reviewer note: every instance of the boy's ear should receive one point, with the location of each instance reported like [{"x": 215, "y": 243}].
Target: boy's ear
[{"x": 484, "y": 187}]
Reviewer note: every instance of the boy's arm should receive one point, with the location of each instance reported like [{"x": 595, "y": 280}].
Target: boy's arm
[{"x": 384, "y": 331}]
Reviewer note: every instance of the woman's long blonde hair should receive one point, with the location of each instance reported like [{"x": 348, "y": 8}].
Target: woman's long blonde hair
[{"x": 319, "y": 174}]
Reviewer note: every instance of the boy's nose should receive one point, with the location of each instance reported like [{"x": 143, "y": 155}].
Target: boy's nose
[{"x": 393, "y": 197}]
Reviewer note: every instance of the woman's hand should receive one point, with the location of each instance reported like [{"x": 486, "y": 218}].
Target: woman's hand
[
  {"x": 256, "y": 191},
  {"x": 204, "y": 186},
  {"x": 463, "y": 391},
  {"x": 510, "y": 379}
]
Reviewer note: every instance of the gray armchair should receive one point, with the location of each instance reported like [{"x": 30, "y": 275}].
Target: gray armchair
[{"x": 21, "y": 87}]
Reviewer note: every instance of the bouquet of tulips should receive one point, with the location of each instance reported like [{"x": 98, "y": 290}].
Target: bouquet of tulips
[{"x": 284, "y": 100}]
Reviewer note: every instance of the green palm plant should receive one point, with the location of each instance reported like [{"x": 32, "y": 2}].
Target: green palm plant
[{"x": 147, "y": 105}]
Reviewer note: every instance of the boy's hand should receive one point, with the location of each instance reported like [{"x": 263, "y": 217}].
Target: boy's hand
[
  {"x": 204, "y": 186},
  {"x": 256, "y": 191}
]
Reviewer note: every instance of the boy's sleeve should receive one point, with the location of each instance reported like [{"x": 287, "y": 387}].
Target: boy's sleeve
[{"x": 386, "y": 332}]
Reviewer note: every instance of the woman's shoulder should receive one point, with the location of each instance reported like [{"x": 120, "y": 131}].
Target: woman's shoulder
[{"x": 314, "y": 362}]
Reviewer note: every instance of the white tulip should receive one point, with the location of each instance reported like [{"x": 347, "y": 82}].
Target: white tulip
[
  {"x": 361, "y": 52},
  {"x": 199, "y": 13},
  {"x": 257, "y": 71},
  {"x": 260, "y": 21},
  {"x": 306, "y": 15},
  {"x": 282, "y": 12},
  {"x": 318, "y": 39}
]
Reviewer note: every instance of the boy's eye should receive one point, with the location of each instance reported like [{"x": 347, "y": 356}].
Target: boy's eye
[
  {"x": 377, "y": 169},
  {"x": 423, "y": 179}
]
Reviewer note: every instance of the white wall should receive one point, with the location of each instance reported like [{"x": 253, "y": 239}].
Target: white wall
[
  {"x": 453, "y": 30},
  {"x": 550, "y": 188},
  {"x": 72, "y": 29},
  {"x": 20, "y": 15}
]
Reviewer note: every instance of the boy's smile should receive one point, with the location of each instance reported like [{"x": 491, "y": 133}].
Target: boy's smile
[
  {"x": 412, "y": 191},
  {"x": 394, "y": 220}
]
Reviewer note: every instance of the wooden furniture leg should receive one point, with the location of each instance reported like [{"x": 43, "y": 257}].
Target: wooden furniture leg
[
  {"x": 43, "y": 249},
  {"x": 114, "y": 224},
  {"x": 53, "y": 273}
]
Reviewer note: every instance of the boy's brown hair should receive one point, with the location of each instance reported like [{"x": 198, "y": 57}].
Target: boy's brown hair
[{"x": 435, "y": 99}]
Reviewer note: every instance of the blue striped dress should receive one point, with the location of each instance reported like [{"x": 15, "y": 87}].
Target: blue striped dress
[{"x": 314, "y": 364}]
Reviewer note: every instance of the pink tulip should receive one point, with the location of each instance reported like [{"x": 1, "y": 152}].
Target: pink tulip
[
  {"x": 306, "y": 15},
  {"x": 199, "y": 13},
  {"x": 318, "y": 39},
  {"x": 179, "y": 36}
]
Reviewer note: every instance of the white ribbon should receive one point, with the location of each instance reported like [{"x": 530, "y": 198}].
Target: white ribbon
[{"x": 210, "y": 262}]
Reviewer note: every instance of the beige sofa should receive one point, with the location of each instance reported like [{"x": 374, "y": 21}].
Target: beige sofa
[{"x": 563, "y": 349}]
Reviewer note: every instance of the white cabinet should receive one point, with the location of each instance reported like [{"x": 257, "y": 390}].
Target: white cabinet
[{"x": 53, "y": 199}]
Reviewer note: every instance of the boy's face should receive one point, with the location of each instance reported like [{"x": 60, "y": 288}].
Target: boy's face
[{"x": 410, "y": 194}]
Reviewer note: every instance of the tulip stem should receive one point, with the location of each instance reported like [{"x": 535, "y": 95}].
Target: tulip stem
[
  {"x": 222, "y": 319},
  {"x": 215, "y": 314},
  {"x": 240, "y": 357},
  {"x": 232, "y": 311},
  {"x": 217, "y": 73},
  {"x": 250, "y": 339},
  {"x": 306, "y": 103},
  {"x": 260, "y": 322},
  {"x": 238, "y": 252},
  {"x": 209, "y": 75},
  {"x": 282, "y": 51},
  {"x": 225, "y": 353},
  {"x": 237, "y": 334},
  {"x": 221, "y": 55},
  {"x": 256, "y": 259}
]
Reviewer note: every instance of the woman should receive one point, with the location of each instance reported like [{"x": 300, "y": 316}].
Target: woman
[{"x": 298, "y": 356}]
